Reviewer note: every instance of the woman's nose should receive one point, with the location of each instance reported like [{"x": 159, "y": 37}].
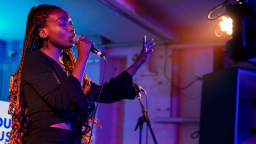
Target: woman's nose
[{"x": 72, "y": 29}]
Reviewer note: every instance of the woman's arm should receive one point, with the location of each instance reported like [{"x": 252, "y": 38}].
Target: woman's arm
[
  {"x": 79, "y": 68},
  {"x": 116, "y": 89},
  {"x": 83, "y": 48},
  {"x": 121, "y": 87},
  {"x": 144, "y": 54}
]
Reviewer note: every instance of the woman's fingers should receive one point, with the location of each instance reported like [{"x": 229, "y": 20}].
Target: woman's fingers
[
  {"x": 144, "y": 41},
  {"x": 150, "y": 45},
  {"x": 83, "y": 38},
  {"x": 146, "y": 44},
  {"x": 149, "y": 42},
  {"x": 150, "y": 50}
]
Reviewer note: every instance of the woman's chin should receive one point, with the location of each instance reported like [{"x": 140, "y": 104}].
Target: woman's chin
[{"x": 71, "y": 45}]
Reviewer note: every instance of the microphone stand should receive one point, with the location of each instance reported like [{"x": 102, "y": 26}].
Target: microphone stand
[{"x": 143, "y": 119}]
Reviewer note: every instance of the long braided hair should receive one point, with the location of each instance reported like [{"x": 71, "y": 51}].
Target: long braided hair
[{"x": 18, "y": 108}]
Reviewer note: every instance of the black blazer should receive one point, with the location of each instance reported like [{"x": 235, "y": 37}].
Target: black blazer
[{"x": 51, "y": 95}]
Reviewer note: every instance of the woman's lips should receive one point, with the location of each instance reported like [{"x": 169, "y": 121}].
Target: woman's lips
[{"x": 72, "y": 36}]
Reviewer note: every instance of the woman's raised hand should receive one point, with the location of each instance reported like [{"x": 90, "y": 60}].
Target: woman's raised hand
[
  {"x": 144, "y": 54},
  {"x": 146, "y": 50},
  {"x": 84, "y": 47}
]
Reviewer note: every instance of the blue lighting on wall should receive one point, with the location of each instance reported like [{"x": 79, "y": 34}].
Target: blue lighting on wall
[{"x": 13, "y": 16}]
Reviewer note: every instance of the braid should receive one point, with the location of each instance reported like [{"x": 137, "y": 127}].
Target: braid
[
  {"x": 78, "y": 118},
  {"x": 21, "y": 122},
  {"x": 18, "y": 107}
]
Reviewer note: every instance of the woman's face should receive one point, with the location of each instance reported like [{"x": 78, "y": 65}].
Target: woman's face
[{"x": 59, "y": 29}]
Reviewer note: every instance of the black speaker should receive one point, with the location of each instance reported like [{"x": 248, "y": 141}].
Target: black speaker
[{"x": 228, "y": 114}]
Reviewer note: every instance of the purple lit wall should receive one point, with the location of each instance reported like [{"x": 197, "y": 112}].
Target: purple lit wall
[{"x": 193, "y": 62}]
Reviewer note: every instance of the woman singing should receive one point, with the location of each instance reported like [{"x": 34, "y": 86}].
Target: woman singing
[{"x": 51, "y": 98}]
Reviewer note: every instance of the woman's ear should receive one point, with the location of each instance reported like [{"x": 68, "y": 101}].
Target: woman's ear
[{"x": 42, "y": 33}]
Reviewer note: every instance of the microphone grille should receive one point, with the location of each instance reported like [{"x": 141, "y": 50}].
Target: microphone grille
[{"x": 76, "y": 38}]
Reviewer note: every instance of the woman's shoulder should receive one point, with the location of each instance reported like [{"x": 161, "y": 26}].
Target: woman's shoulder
[
  {"x": 35, "y": 59},
  {"x": 34, "y": 62},
  {"x": 34, "y": 55}
]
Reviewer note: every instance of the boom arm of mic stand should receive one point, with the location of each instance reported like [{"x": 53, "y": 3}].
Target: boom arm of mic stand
[{"x": 144, "y": 111}]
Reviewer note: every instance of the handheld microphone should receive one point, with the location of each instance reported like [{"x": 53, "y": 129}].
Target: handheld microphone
[{"x": 93, "y": 49}]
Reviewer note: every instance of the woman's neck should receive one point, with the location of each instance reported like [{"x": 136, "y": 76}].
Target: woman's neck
[{"x": 53, "y": 51}]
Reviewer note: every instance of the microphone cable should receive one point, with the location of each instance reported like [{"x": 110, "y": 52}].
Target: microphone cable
[
  {"x": 146, "y": 113},
  {"x": 98, "y": 98},
  {"x": 147, "y": 116}
]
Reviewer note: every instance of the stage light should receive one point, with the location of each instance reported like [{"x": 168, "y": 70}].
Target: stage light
[
  {"x": 239, "y": 21},
  {"x": 226, "y": 25}
]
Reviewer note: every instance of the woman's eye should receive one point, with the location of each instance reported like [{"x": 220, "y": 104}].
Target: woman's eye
[{"x": 62, "y": 24}]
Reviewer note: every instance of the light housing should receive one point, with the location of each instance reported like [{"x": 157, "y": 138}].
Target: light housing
[{"x": 242, "y": 45}]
